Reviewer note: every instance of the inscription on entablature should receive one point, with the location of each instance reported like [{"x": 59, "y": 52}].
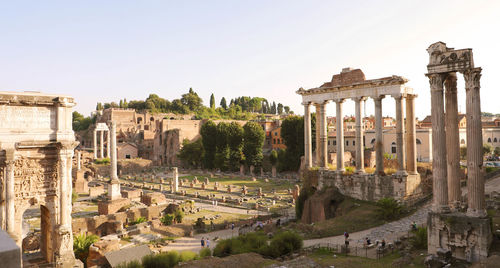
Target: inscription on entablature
[
  {"x": 35, "y": 178},
  {"x": 24, "y": 118}
]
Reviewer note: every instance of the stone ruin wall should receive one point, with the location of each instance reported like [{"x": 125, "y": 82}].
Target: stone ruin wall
[
  {"x": 95, "y": 224},
  {"x": 367, "y": 187}
]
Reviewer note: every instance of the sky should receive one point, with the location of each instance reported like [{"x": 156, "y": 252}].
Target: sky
[{"x": 103, "y": 51}]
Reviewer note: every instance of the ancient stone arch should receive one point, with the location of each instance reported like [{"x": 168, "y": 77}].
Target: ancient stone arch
[{"x": 35, "y": 169}]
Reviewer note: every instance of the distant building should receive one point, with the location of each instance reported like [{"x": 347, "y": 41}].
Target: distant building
[{"x": 277, "y": 140}]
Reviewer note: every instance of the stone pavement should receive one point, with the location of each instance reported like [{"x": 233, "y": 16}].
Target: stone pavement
[{"x": 144, "y": 238}]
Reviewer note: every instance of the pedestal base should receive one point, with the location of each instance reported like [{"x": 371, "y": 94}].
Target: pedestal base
[
  {"x": 468, "y": 238},
  {"x": 111, "y": 206}
]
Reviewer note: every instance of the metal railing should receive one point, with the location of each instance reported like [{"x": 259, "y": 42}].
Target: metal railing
[{"x": 373, "y": 252}]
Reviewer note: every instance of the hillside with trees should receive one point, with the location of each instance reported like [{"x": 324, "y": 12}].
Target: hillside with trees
[{"x": 240, "y": 108}]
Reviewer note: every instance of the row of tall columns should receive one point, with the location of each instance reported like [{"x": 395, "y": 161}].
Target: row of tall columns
[
  {"x": 400, "y": 137},
  {"x": 445, "y": 144},
  {"x": 360, "y": 149},
  {"x": 340, "y": 136},
  {"x": 452, "y": 140},
  {"x": 101, "y": 144},
  {"x": 379, "y": 144},
  {"x": 307, "y": 135},
  {"x": 405, "y": 136}
]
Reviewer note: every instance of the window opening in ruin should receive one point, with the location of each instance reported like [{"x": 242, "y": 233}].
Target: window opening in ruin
[{"x": 393, "y": 148}]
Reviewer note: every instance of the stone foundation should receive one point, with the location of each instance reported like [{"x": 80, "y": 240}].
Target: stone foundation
[
  {"x": 468, "y": 238},
  {"x": 367, "y": 187},
  {"x": 111, "y": 206}
]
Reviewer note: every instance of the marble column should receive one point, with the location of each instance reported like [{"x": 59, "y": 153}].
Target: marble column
[
  {"x": 411, "y": 142},
  {"x": 114, "y": 170},
  {"x": 10, "y": 197},
  {"x": 340, "y": 136},
  {"x": 175, "y": 183},
  {"x": 78, "y": 160},
  {"x": 307, "y": 135},
  {"x": 439, "y": 168},
  {"x": 360, "y": 148},
  {"x": 323, "y": 136},
  {"x": 95, "y": 144},
  {"x": 452, "y": 141},
  {"x": 400, "y": 139},
  {"x": 108, "y": 144},
  {"x": 379, "y": 142},
  {"x": 65, "y": 156},
  {"x": 101, "y": 144},
  {"x": 318, "y": 125},
  {"x": 475, "y": 180}
]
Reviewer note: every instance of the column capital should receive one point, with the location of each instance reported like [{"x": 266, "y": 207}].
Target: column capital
[
  {"x": 378, "y": 97},
  {"x": 436, "y": 81},
  {"x": 359, "y": 99},
  {"x": 472, "y": 78},
  {"x": 306, "y": 103},
  {"x": 399, "y": 97},
  {"x": 339, "y": 101},
  {"x": 411, "y": 96}
]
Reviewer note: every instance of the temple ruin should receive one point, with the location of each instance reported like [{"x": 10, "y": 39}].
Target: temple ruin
[
  {"x": 467, "y": 235},
  {"x": 36, "y": 153},
  {"x": 351, "y": 84}
]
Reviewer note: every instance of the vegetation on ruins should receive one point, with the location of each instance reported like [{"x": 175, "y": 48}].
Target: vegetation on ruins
[
  {"x": 165, "y": 259},
  {"x": 305, "y": 193},
  {"x": 283, "y": 243},
  {"x": 138, "y": 220},
  {"x": 102, "y": 161},
  {"x": 191, "y": 153},
  {"x": 168, "y": 219},
  {"x": 292, "y": 132},
  {"x": 389, "y": 208},
  {"x": 419, "y": 238},
  {"x": 81, "y": 245},
  {"x": 225, "y": 146}
]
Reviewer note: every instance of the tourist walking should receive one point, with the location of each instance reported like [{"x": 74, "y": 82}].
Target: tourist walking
[
  {"x": 202, "y": 242},
  {"x": 208, "y": 242}
]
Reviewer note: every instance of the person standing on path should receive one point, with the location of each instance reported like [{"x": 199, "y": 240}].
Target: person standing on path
[
  {"x": 202, "y": 242},
  {"x": 208, "y": 242}
]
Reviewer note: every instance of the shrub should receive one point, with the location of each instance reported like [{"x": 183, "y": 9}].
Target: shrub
[
  {"x": 178, "y": 215},
  {"x": 419, "y": 240},
  {"x": 349, "y": 170},
  {"x": 132, "y": 264},
  {"x": 167, "y": 260},
  {"x": 168, "y": 219},
  {"x": 389, "y": 208},
  {"x": 285, "y": 243},
  {"x": 205, "y": 252},
  {"x": 81, "y": 245},
  {"x": 188, "y": 256},
  {"x": 228, "y": 247},
  {"x": 138, "y": 220},
  {"x": 305, "y": 193},
  {"x": 103, "y": 161},
  {"x": 74, "y": 197}
]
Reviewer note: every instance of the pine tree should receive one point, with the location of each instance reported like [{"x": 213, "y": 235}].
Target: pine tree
[
  {"x": 212, "y": 101},
  {"x": 223, "y": 103}
]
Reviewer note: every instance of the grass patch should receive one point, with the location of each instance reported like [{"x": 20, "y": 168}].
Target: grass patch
[
  {"x": 266, "y": 186},
  {"x": 352, "y": 216},
  {"x": 225, "y": 217},
  {"x": 327, "y": 259}
]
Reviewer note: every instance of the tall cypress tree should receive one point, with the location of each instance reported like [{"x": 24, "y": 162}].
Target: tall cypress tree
[{"x": 212, "y": 101}]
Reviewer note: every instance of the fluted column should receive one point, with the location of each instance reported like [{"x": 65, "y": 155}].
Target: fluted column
[
  {"x": 101, "y": 144},
  {"x": 108, "y": 144},
  {"x": 317, "y": 150},
  {"x": 323, "y": 136},
  {"x": 379, "y": 142},
  {"x": 452, "y": 141},
  {"x": 10, "y": 197},
  {"x": 360, "y": 150},
  {"x": 400, "y": 138},
  {"x": 439, "y": 169},
  {"x": 307, "y": 135},
  {"x": 411, "y": 142},
  {"x": 95, "y": 144},
  {"x": 475, "y": 181},
  {"x": 78, "y": 160},
  {"x": 340, "y": 136}
]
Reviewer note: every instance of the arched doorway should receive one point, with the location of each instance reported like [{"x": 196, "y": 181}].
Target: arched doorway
[{"x": 37, "y": 234}]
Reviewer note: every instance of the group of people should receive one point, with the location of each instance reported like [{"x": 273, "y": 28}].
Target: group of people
[{"x": 205, "y": 242}]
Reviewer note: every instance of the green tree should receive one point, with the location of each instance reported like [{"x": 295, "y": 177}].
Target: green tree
[
  {"x": 463, "y": 152},
  {"x": 253, "y": 140},
  {"x": 280, "y": 108},
  {"x": 292, "y": 132},
  {"x": 487, "y": 149},
  {"x": 212, "y": 101},
  {"x": 223, "y": 103},
  {"x": 235, "y": 143},
  {"x": 192, "y": 100},
  {"x": 80, "y": 122},
  {"x": 389, "y": 208},
  {"x": 191, "y": 153},
  {"x": 99, "y": 106},
  {"x": 273, "y": 158},
  {"x": 222, "y": 147},
  {"x": 287, "y": 109},
  {"x": 497, "y": 151},
  {"x": 208, "y": 134},
  {"x": 81, "y": 245}
]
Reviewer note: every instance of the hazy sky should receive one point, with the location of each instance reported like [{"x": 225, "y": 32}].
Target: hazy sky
[{"x": 108, "y": 50}]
